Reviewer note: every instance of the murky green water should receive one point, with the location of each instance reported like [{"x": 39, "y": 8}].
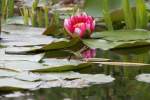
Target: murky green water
[{"x": 125, "y": 86}]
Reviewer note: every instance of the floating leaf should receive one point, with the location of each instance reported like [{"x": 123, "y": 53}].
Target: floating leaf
[
  {"x": 32, "y": 81},
  {"x": 58, "y": 54},
  {"x": 7, "y": 73},
  {"x": 62, "y": 44},
  {"x": 20, "y": 65},
  {"x": 123, "y": 35},
  {"x": 85, "y": 80},
  {"x": 96, "y": 59},
  {"x": 118, "y": 39},
  {"x": 17, "y": 20},
  {"x": 143, "y": 78},
  {"x": 123, "y": 64},
  {"x": 50, "y": 65},
  {"x": 14, "y": 56},
  {"x": 24, "y": 40},
  {"x": 58, "y": 65},
  {"x": 20, "y": 29},
  {"x": 19, "y": 50},
  {"x": 8, "y": 84}
]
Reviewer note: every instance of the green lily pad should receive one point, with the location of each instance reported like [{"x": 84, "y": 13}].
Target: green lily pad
[
  {"x": 123, "y": 35},
  {"x": 58, "y": 65},
  {"x": 118, "y": 39},
  {"x": 62, "y": 44},
  {"x": 58, "y": 54}
]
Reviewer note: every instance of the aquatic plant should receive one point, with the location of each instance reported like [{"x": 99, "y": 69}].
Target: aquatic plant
[
  {"x": 107, "y": 17},
  {"x": 7, "y": 8},
  {"x": 128, "y": 14},
  {"x": 141, "y": 14},
  {"x": 46, "y": 16},
  {"x": 33, "y": 13},
  {"x": 80, "y": 25},
  {"x": 25, "y": 13}
]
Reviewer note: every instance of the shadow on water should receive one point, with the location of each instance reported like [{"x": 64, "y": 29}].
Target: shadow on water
[{"x": 125, "y": 86}]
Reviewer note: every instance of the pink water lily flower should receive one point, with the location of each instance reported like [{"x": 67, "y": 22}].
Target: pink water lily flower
[
  {"x": 80, "y": 25},
  {"x": 90, "y": 53}
]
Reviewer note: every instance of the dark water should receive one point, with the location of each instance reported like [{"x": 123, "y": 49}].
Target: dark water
[{"x": 125, "y": 86}]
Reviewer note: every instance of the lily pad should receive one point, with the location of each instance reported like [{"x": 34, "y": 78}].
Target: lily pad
[
  {"x": 58, "y": 65},
  {"x": 123, "y": 35},
  {"x": 49, "y": 65},
  {"x": 125, "y": 64},
  {"x": 85, "y": 80},
  {"x": 8, "y": 84},
  {"x": 62, "y": 44},
  {"x": 118, "y": 39},
  {"x": 143, "y": 78},
  {"x": 20, "y": 50},
  {"x": 22, "y": 40},
  {"x": 20, "y": 65},
  {"x": 7, "y": 73},
  {"x": 32, "y": 81},
  {"x": 20, "y": 57},
  {"x": 16, "y": 20},
  {"x": 20, "y": 29}
]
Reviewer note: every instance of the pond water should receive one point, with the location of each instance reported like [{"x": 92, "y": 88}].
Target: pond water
[{"x": 125, "y": 87}]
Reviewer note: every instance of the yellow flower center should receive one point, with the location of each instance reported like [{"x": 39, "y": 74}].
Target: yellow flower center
[{"x": 78, "y": 25}]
